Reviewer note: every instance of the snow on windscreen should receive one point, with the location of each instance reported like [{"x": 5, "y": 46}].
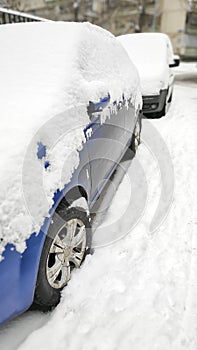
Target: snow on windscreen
[
  {"x": 151, "y": 53},
  {"x": 49, "y": 73}
]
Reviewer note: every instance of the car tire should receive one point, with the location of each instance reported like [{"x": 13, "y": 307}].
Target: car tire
[
  {"x": 67, "y": 243},
  {"x": 136, "y": 138}
]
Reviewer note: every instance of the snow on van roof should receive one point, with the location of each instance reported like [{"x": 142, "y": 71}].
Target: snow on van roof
[
  {"x": 49, "y": 73},
  {"x": 151, "y": 53}
]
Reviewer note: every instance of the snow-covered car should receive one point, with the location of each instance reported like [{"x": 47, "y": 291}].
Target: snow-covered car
[
  {"x": 152, "y": 53},
  {"x": 70, "y": 107}
]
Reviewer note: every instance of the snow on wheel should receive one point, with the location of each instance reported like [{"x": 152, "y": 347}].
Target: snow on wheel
[{"x": 65, "y": 248}]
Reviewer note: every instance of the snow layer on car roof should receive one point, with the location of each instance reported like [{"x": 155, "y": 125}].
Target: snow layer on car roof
[
  {"x": 151, "y": 53},
  {"x": 49, "y": 73}
]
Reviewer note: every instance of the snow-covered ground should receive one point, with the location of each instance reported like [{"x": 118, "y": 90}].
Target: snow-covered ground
[{"x": 138, "y": 292}]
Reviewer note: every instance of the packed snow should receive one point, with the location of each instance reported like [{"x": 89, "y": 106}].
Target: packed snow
[
  {"x": 139, "y": 292},
  {"x": 151, "y": 53},
  {"x": 49, "y": 73}
]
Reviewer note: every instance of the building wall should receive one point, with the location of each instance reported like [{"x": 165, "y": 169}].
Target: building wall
[
  {"x": 173, "y": 18},
  {"x": 174, "y": 22},
  {"x": 173, "y": 15}
]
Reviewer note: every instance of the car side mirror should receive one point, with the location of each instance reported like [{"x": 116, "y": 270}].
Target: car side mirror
[
  {"x": 176, "y": 62},
  {"x": 98, "y": 106}
]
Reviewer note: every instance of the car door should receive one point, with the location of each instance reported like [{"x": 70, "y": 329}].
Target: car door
[
  {"x": 105, "y": 137},
  {"x": 131, "y": 115}
]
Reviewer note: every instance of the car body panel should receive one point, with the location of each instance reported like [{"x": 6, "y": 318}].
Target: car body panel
[{"x": 17, "y": 287}]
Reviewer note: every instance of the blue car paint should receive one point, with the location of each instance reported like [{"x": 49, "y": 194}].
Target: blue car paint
[
  {"x": 42, "y": 150},
  {"x": 19, "y": 271},
  {"x": 102, "y": 103},
  {"x": 18, "y": 277}
]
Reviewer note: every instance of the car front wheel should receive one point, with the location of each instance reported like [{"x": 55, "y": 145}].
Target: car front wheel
[{"x": 66, "y": 245}]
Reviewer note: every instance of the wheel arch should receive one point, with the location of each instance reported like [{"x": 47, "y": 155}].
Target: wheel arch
[{"x": 72, "y": 195}]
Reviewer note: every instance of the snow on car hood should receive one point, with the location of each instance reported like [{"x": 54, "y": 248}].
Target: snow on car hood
[
  {"x": 49, "y": 73},
  {"x": 151, "y": 53},
  {"x": 153, "y": 80}
]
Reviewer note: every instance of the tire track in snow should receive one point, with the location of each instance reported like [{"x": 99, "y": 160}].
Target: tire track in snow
[
  {"x": 188, "y": 335},
  {"x": 179, "y": 249}
]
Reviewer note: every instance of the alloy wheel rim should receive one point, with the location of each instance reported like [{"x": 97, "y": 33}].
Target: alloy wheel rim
[{"x": 66, "y": 253}]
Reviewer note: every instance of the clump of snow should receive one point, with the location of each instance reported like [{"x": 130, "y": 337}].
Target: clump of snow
[
  {"x": 49, "y": 73},
  {"x": 151, "y": 53}
]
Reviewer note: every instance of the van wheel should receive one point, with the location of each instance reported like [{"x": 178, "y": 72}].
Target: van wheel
[{"x": 66, "y": 245}]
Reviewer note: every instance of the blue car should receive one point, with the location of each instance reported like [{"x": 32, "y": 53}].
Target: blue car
[{"x": 70, "y": 108}]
